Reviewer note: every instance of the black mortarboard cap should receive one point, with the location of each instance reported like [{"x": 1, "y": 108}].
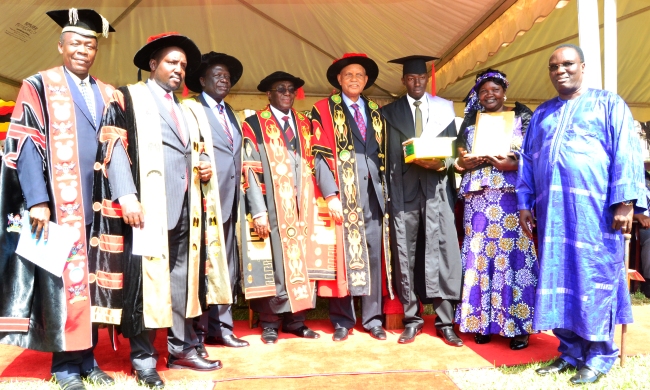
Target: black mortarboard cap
[
  {"x": 86, "y": 22},
  {"x": 413, "y": 64}
]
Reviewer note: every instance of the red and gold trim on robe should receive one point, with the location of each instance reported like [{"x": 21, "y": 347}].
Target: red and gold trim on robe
[
  {"x": 332, "y": 139},
  {"x": 67, "y": 201},
  {"x": 293, "y": 220}
]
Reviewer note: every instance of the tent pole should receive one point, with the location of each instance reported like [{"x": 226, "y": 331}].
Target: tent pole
[
  {"x": 589, "y": 36},
  {"x": 611, "y": 46}
]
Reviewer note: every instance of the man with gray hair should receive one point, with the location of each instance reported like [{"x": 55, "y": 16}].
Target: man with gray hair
[{"x": 581, "y": 171}]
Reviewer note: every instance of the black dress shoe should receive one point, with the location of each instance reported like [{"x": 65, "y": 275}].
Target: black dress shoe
[
  {"x": 519, "y": 342},
  {"x": 303, "y": 331},
  {"x": 586, "y": 375},
  {"x": 340, "y": 334},
  {"x": 408, "y": 335},
  {"x": 98, "y": 377},
  {"x": 558, "y": 366},
  {"x": 450, "y": 337},
  {"x": 482, "y": 338},
  {"x": 195, "y": 363},
  {"x": 73, "y": 382},
  {"x": 201, "y": 351},
  {"x": 149, "y": 377},
  {"x": 229, "y": 341},
  {"x": 270, "y": 335},
  {"x": 377, "y": 332}
]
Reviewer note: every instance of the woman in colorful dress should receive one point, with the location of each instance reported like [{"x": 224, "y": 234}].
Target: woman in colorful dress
[{"x": 499, "y": 261}]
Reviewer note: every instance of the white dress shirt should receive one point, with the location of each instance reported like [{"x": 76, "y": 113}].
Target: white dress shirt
[{"x": 424, "y": 107}]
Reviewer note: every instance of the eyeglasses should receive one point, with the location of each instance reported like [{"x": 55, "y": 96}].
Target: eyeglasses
[
  {"x": 565, "y": 65},
  {"x": 282, "y": 90}
]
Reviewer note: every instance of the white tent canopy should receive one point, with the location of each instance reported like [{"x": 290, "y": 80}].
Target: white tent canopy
[{"x": 304, "y": 36}]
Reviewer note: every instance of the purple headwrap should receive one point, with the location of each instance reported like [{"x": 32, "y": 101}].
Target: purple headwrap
[{"x": 472, "y": 99}]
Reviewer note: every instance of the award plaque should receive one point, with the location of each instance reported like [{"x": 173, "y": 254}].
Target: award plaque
[
  {"x": 493, "y": 133},
  {"x": 428, "y": 148}
]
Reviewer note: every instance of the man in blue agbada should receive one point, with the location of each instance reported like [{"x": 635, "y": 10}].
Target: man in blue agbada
[{"x": 581, "y": 170}]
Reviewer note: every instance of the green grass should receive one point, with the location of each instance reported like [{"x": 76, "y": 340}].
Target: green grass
[{"x": 635, "y": 375}]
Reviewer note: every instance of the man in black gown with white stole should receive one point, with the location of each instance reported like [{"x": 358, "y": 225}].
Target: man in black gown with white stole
[{"x": 424, "y": 243}]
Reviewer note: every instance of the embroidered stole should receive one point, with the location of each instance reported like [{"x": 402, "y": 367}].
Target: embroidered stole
[
  {"x": 333, "y": 140},
  {"x": 67, "y": 202},
  {"x": 216, "y": 267}
]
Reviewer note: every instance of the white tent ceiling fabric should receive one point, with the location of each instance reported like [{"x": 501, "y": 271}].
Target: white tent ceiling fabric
[
  {"x": 526, "y": 60},
  {"x": 302, "y": 37}
]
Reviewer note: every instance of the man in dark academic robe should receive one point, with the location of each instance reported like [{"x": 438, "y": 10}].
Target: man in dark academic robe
[
  {"x": 349, "y": 151},
  {"x": 278, "y": 193},
  {"x": 213, "y": 79},
  {"x": 424, "y": 243},
  {"x": 147, "y": 231},
  {"x": 48, "y": 170}
]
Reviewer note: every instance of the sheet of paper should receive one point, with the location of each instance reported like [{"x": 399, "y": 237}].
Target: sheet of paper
[
  {"x": 51, "y": 255},
  {"x": 493, "y": 135},
  {"x": 148, "y": 240}
]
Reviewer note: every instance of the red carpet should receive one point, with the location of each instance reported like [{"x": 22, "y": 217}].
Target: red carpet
[{"x": 322, "y": 361}]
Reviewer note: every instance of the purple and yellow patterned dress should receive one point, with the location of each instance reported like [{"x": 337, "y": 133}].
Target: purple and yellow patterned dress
[{"x": 500, "y": 266}]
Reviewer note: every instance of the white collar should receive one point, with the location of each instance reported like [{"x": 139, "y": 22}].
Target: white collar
[
  {"x": 211, "y": 102},
  {"x": 424, "y": 99},
  {"x": 160, "y": 90},
  {"x": 279, "y": 114}
]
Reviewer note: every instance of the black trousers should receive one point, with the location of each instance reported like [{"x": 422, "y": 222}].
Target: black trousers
[
  {"x": 181, "y": 338},
  {"x": 414, "y": 217}
]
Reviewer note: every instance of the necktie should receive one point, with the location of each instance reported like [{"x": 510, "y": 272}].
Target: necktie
[
  {"x": 361, "y": 124},
  {"x": 224, "y": 124},
  {"x": 288, "y": 131},
  {"x": 172, "y": 112},
  {"x": 418, "y": 118},
  {"x": 87, "y": 93}
]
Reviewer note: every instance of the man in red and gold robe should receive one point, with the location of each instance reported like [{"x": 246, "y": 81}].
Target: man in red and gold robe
[
  {"x": 279, "y": 196},
  {"x": 48, "y": 170},
  {"x": 349, "y": 148}
]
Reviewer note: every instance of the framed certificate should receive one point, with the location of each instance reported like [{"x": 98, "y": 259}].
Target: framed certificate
[{"x": 493, "y": 133}]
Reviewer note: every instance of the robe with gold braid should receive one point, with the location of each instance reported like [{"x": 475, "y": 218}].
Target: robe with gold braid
[
  {"x": 292, "y": 218},
  {"x": 38, "y": 310},
  {"x": 332, "y": 140},
  {"x": 135, "y": 291}
]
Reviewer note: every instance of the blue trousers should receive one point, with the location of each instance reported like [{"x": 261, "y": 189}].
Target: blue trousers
[
  {"x": 599, "y": 355},
  {"x": 69, "y": 363}
]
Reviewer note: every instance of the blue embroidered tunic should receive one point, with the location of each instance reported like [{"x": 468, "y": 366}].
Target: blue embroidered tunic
[{"x": 579, "y": 159}]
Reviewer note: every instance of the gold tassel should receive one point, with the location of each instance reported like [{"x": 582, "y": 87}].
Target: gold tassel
[{"x": 105, "y": 26}]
